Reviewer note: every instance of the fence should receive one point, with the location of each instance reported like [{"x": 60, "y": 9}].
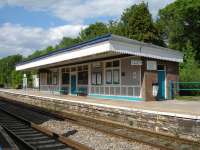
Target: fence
[{"x": 183, "y": 88}]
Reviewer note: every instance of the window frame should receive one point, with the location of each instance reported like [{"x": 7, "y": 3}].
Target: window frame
[
  {"x": 113, "y": 68},
  {"x": 94, "y": 75}
]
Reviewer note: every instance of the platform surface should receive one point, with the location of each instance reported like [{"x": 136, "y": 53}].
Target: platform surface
[{"x": 190, "y": 108}]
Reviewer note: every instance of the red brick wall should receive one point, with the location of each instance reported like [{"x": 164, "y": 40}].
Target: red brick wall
[{"x": 149, "y": 77}]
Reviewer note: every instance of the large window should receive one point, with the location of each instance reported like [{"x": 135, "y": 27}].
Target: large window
[
  {"x": 55, "y": 78},
  {"x": 108, "y": 76},
  {"x": 65, "y": 76},
  {"x": 96, "y": 78},
  {"x": 83, "y": 77},
  {"x": 112, "y": 72},
  {"x": 83, "y": 74},
  {"x": 49, "y": 78},
  {"x": 116, "y": 76}
]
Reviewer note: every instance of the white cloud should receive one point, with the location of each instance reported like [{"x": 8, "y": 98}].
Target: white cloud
[
  {"x": 77, "y": 11},
  {"x": 23, "y": 40},
  {"x": 19, "y": 39}
]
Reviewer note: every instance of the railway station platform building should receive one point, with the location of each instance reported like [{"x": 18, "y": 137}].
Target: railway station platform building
[{"x": 108, "y": 67}]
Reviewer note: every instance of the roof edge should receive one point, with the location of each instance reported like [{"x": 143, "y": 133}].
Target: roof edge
[
  {"x": 98, "y": 39},
  {"x": 131, "y": 41}
]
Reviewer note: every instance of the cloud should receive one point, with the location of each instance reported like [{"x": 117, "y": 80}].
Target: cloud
[
  {"x": 19, "y": 39},
  {"x": 77, "y": 11},
  {"x": 24, "y": 40}
]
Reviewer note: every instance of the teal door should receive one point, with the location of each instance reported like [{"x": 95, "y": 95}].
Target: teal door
[
  {"x": 73, "y": 84},
  {"x": 161, "y": 84}
]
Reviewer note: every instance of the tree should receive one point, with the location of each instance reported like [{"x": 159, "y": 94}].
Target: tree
[
  {"x": 137, "y": 23},
  {"x": 67, "y": 42},
  {"x": 93, "y": 31},
  {"x": 180, "y": 22},
  {"x": 7, "y": 66},
  {"x": 16, "y": 79},
  {"x": 189, "y": 69}
]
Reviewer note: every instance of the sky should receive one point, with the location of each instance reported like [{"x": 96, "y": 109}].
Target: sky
[{"x": 29, "y": 25}]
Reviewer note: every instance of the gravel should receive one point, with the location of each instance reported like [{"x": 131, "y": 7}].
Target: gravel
[{"x": 93, "y": 138}]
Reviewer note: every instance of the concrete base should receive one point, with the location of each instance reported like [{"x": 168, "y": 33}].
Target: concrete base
[{"x": 186, "y": 126}]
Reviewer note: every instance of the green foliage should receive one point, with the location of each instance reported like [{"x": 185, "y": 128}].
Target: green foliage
[
  {"x": 67, "y": 42},
  {"x": 38, "y": 53},
  {"x": 177, "y": 23},
  {"x": 93, "y": 31},
  {"x": 180, "y": 22},
  {"x": 137, "y": 23},
  {"x": 189, "y": 69},
  {"x": 16, "y": 79},
  {"x": 7, "y": 66}
]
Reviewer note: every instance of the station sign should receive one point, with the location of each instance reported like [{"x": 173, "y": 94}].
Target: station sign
[{"x": 136, "y": 62}]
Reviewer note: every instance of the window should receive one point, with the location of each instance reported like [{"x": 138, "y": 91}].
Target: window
[
  {"x": 99, "y": 80},
  {"x": 116, "y": 76},
  {"x": 160, "y": 67},
  {"x": 65, "y": 78},
  {"x": 96, "y": 78},
  {"x": 112, "y": 72},
  {"x": 85, "y": 67},
  {"x": 55, "y": 77},
  {"x": 116, "y": 63},
  {"x": 80, "y": 68},
  {"x": 83, "y": 77},
  {"x": 49, "y": 78},
  {"x": 63, "y": 69},
  {"x": 108, "y": 64},
  {"x": 73, "y": 69},
  {"x": 108, "y": 76}
]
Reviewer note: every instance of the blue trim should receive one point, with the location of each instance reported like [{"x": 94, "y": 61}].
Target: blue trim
[
  {"x": 71, "y": 48},
  {"x": 127, "y": 98}
]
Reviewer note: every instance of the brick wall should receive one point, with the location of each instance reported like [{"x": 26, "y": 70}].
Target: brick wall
[{"x": 149, "y": 77}]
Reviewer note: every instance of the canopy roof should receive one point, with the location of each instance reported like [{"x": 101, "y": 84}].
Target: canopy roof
[{"x": 100, "y": 45}]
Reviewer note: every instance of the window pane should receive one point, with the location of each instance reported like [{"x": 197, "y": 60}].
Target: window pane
[
  {"x": 99, "y": 78},
  {"x": 108, "y": 64},
  {"x": 116, "y": 63},
  {"x": 49, "y": 78},
  {"x": 66, "y": 69},
  {"x": 79, "y": 68},
  {"x": 65, "y": 78},
  {"x": 73, "y": 69},
  {"x": 85, "y": 67},
  {"x": 83, "y": 77},
  {"x": 94, "y": 78},
  {"x": 108, "y": 76},
  {"x": 160, "y": 67},
  {"x": 55, "y": 76},
  {"x": 63, "y": 69},
  {"x": 116, "y": 76}
]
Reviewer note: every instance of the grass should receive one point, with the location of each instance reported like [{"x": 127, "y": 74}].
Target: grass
[{"x": 188, "y": 98}]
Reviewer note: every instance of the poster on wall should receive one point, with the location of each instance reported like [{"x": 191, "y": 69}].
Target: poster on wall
[
  {"x": 151, "y": 65},
  {"x": 135, "y": 62}
]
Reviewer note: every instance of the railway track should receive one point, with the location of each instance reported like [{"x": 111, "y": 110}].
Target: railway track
[
  {"x": 33, "y": 137},
  {"x": 161, "y": 141}
]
